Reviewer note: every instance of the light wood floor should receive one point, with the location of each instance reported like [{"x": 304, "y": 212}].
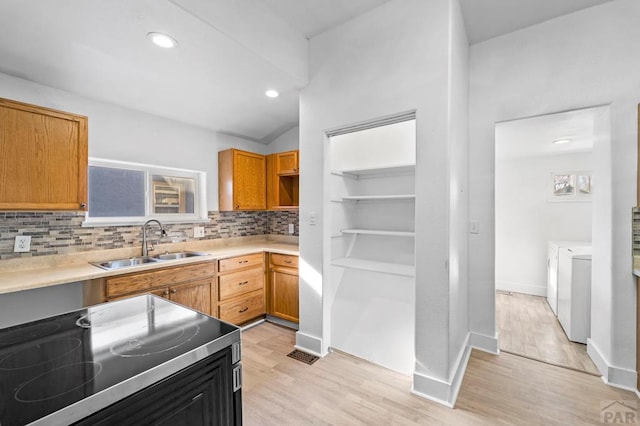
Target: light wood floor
[
  {"x": 342, "y": 390},
  {"x": 528, "y": 327}
]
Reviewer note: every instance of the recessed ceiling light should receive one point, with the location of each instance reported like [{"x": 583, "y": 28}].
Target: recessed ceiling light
[
  {"x": 561, "y": 141},
  {"x": 272, "y": 93},
  {"x": 162, "y": 40}
]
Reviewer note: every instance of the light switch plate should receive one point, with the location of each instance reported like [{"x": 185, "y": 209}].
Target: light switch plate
[
  {"x": 474, "y": 227},
  {"x": 198, "y": 231},
  {"x": 22, "y": 244},
  {"x": 291, "y": 228}
]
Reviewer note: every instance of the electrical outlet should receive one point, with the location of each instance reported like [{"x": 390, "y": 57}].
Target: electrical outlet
[
  {"x": 198, "y": 231},
  {"x": 291, "y": 228},
  {"x": 22, "y": 244}
]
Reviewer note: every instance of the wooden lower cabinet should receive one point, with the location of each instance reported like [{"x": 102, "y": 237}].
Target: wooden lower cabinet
[
  {"x": 283, "y": 287},
  {"x": 190, "y": 285},
  {"x": 241, "y": 288},
  {"x": 196, "y": 295}
]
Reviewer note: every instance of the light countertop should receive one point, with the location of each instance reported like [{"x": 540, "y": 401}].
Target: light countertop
[{"x": 30, "y": 273}]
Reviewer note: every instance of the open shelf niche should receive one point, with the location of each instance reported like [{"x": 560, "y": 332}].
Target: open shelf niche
[{"x": 372, "y": 219}]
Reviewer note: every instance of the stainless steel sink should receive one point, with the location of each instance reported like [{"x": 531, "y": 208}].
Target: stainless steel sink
[
  {"x": 178, "y": 255},
  {"x": 141, "y": 260},
  {"x": 124, "y": 263}
]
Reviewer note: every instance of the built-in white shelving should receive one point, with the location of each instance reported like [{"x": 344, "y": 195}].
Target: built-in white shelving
[
  {"x": 372, "y": 265},
  {"x": 371, "y": 217},
  {"x": 379, "y": 232},
  {"x": 378, "y": 197},
  {"x": 377, "y": 171}
]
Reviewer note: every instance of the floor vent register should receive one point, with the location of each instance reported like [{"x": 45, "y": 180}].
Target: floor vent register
[{"x": 303, "y": 356}]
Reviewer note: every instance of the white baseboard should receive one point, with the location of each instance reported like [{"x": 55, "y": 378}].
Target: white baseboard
[
  {"x": 612, "y": 375},
  {"x": 440, "y": 391},
  {"x": 484, "y": 343},
  {"x": 309, "y": 344},
  {"x": 533, "y": 290}
]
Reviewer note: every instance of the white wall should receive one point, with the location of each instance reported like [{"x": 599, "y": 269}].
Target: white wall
[
  {"x": 526, "y": 220},
  {"x": 288, "y": 141},
  {"x": 118, "y": 133},
  {"x": 458, "y": 128},
  {"x": 580, "y": 60},
  {"x": 395, "y": 58}
]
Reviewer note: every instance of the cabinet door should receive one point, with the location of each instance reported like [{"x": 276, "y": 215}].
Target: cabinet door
[
  {"x": 249, "y": 181},
  {"x": 44, "y": 155},
  {"x": 195, "y": 295},
  {"x": 284, "y": 293},
  {"x": 287, "y": 162}
]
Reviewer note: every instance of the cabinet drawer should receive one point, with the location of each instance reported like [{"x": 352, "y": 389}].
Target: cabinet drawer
[
  {"x": 237, "y": 283},
  {"x": 284, "y": 260},
  {"x": 142, "y": 282},
  {"x": 242, "y": 309},
  {"x": 240, "y": 262}
]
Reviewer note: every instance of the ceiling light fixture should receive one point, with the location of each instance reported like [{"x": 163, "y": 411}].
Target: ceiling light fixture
[
  {"x": 561, "y": 141},
  {"x": 162, "y": 40},
  {"x": 272, "y": 93}
]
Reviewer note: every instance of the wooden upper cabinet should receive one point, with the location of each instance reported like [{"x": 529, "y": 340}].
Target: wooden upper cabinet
[
  {"x": 287, "y": 163},
  {"x": 43, "y": 158},
  {"x": 241, "y": 180},
  {"x": 283, "y": 180}
]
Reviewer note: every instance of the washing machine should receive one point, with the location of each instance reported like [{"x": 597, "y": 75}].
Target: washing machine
[
  {"x": 574, "y": 292},
  {"x": 552, "y": 268}
]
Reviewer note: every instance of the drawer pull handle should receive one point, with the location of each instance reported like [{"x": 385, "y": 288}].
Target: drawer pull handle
[
  {"x": 243, "y": 261},
  {"x": 243, "y": 283},
  {"x": 287, "y": 261},
  {"x": 245, "y": 309}
]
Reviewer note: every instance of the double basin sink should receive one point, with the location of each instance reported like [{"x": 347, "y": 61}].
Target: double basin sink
[{"x": 110, "y": 265}]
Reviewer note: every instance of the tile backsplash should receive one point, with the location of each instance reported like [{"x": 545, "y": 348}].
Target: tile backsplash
[
  {"x": 636, "y": 231},
  {"x": 62, "y": 232}
]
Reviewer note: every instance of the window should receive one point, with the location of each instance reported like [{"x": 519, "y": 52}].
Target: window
[{"x": 122, "y": 193}]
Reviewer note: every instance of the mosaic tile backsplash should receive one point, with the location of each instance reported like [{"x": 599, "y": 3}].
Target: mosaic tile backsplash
[
  {"x": 636, "y": 231},
  {"x": 62, "y": 232}
]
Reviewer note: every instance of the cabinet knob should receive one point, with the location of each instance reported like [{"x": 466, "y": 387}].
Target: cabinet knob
[
  {"x": 174, "y": 291},
  {"x": 83, "y": 205},
  {"x": 166, "y": 292},
  {"x": 245, "y": 309},
  {"x": 237, "y": 206}
]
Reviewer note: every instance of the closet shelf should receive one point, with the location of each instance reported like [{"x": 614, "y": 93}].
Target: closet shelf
[
  {"x": 377, "y": 172},
  {"x": 378, "y": 197},
  {"x": 409, "y": 234},
  {"x": 375, "y": 266}
]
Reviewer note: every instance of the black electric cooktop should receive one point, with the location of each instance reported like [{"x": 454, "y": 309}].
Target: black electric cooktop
[{"x": 63, "y": 368}]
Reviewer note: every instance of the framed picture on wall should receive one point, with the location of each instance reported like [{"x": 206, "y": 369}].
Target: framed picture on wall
[{"x": 571, "y": 186}]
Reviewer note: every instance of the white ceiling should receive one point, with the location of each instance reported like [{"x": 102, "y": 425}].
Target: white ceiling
[
  {"x": 229, "y": 52},
  {"x": 485, "y": 19},
  {"x": 533, "y": 137}
]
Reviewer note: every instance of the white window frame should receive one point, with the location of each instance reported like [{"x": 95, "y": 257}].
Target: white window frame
[{"x": 200, "y": 201}]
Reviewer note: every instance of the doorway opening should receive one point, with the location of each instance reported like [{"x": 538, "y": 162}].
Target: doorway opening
[{"x": 546, "y": 173}]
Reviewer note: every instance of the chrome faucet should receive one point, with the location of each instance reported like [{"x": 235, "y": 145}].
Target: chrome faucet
[{"x": 145, "y": 249}]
